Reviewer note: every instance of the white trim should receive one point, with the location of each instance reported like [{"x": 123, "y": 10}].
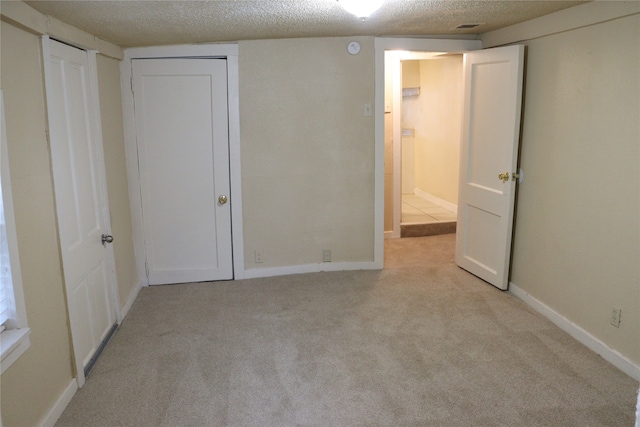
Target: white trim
[
  {"x": 426, "y": 45},
  {"x": 133, "y": 295},
  {"x": 14, "y": 343},
  {"x": 213, "y": 50},
  {"x": 389, "y": 235},
  {"x": 309, "y": 268},
  {"x": 378, "y": 168},
  {"x": 50, "y": 419},
  {"x": 228, "y": 51},
  {"x": 383, "y": 44},
  {"x": 583, "y": 15},
  {"x": 583, "y": 336},
  {"x": 233, "y": 91},
  {"x": 396, "y": 110},
  {"x": 436, "y": 200}
]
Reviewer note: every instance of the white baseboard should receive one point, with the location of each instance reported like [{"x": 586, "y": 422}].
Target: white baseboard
[
  {"x": 388, "y": 235},
  {"x": 58, "y": 408},
  {"x": 50, "y": 419},
  {"x": 130, "y": 300},
  {"x": 593, "y": 343},
  {"x": 310, "y": 268},
  {"x": 436, "y": 200}
]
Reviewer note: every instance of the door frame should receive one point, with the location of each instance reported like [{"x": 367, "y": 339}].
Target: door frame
[
  {"x": 214, "y": 51},
  {"x": 96, "y": 129},
  {"x": 381, "y": 46}
]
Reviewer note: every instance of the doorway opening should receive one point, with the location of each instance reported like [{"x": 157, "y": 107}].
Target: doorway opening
[
  {"x": 423, "y": 120},
  {"x": 492, "y": 82}
]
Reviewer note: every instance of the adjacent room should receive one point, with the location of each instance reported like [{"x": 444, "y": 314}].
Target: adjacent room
[
  {"x": 202, "y": 213},
  {"x": 424, "y": 124}
]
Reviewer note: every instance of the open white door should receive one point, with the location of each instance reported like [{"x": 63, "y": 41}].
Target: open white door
[
  {"x": 493, "y": 81},
  {"x": 81, "y": 203},
  {"x": 182, "y": 135}
]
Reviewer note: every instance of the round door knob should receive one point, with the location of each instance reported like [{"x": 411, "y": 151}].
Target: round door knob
[
  {"x": 222, "y": 200},
  {"x": 106, "y": 238}
]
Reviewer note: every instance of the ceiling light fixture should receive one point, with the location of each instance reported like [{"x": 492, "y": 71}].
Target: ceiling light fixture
[{"x": 361, "y": 8}]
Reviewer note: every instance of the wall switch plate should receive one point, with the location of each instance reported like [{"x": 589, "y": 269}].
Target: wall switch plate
[
  {"x": 326, "y": 255},
  {"x": 368, "y": 110},
  {"x": 259, "y": 256},
  {"x": 615, "y": 316}
]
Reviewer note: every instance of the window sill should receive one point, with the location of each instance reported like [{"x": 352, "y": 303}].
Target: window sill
[{"x": 13, "y": 343}]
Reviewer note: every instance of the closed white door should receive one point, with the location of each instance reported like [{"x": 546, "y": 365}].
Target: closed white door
[
  {"x": 488, "y": 160},
  {"x": 78, "y": 175},
  {"x": 182, "y": 135}
]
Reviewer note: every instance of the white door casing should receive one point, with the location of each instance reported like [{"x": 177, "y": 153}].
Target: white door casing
[
  {"x": 493, "y": 80},
  {"x": 382, "y": 45},
  {"x": 182, "y": 136},
  {"x": 80, "y": 192}
]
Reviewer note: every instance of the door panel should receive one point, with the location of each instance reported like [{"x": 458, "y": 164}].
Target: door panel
[
  {"x": 491, "y": 133},
  {"x": 481, "y": 227},
  {"x": 182, "y": 136},
  {"x": 80, "y": 201},
  {"x": 486, "y": 139}
]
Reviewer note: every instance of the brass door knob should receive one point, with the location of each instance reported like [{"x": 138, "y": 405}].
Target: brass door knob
[
  {"x": 222, "y": 200},
  {"x": 504, "y": 177}
]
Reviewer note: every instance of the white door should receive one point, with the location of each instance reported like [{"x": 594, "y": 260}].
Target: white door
[
  {"x": 183, "y": 154},
  {"x": 78, "y": 175},
  {"x": 488, "y": 160}
]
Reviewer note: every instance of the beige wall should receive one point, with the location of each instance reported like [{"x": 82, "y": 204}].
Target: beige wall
[
  {"x": 307, "y": 164},
  {"x": 307, "y": 150},
  {"x": 116, "y": 172},
  {"x": 411, "y": 73},
  {"x": 577, "y": 234},
  {"x": 431, "y": 158},
  {"x": 411, "y": 118},
  {"x": 437, "y": 145},
  {"x": 34, "y": 382}
]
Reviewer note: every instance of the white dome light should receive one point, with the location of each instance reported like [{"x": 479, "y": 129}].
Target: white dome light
[{"x": 361, "y": 8}]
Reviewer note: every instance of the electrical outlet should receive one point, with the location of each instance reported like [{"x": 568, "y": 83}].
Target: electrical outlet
[
  {"x": 615, "y": 316},
  {"x": 259, "y": 256},
  {"x": 326, "y": 255}
]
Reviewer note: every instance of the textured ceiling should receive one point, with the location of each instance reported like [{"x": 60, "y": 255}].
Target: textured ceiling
[{"x": 149, "y": 22}]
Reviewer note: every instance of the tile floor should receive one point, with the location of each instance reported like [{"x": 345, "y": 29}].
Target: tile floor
[{"x": 416, "y": 210}]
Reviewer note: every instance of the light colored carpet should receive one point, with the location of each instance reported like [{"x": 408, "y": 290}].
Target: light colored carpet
[{"x": 419, "y": 344}]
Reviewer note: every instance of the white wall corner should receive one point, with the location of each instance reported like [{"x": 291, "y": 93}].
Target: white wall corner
[
  {"x": 594, "y": 344},
  {"x": 50, "y": 419},
  {"x": 133, "y": 295}
]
